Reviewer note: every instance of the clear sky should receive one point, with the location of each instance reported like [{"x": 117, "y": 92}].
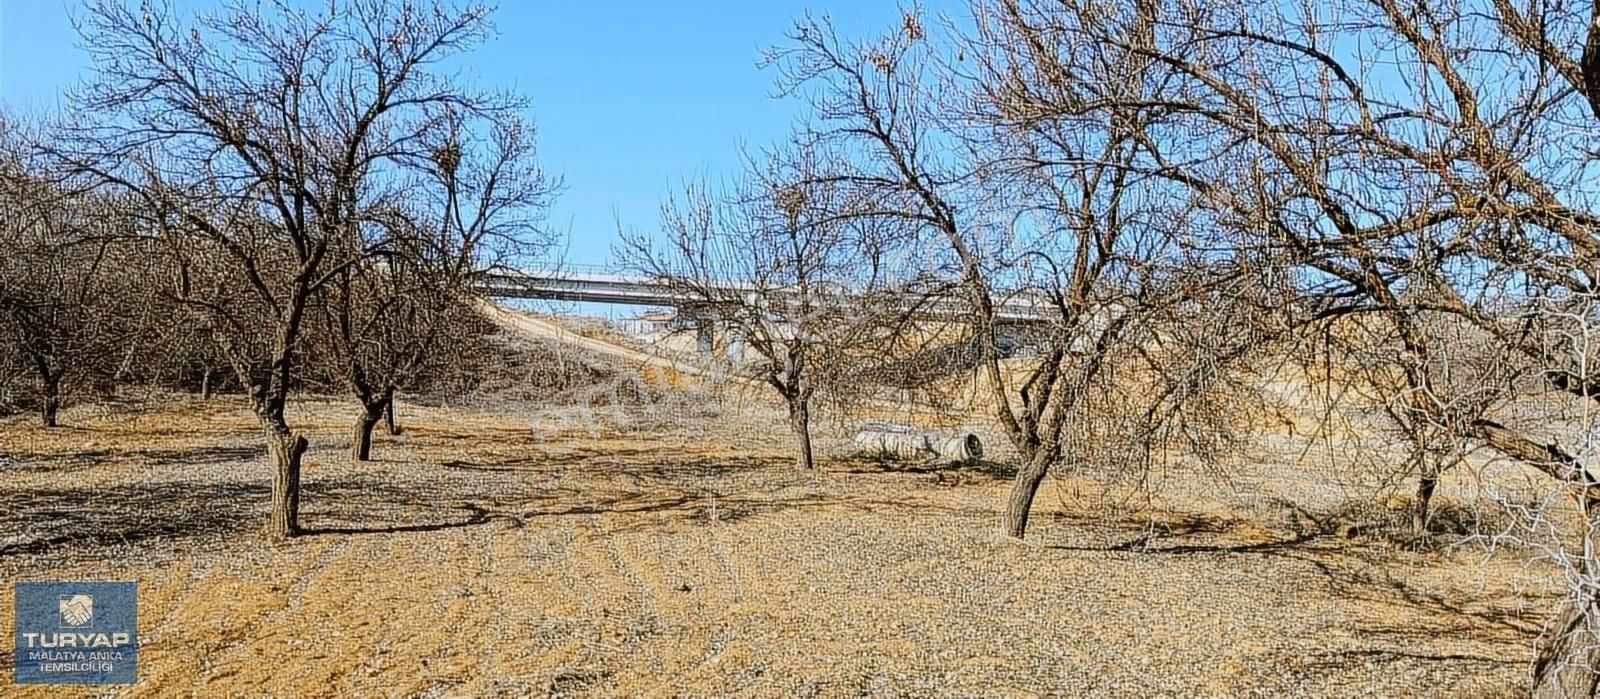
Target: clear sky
[{"x": 630, "y": 97}]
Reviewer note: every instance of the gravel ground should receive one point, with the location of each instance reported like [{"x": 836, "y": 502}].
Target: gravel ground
[{"x": 681, "y": 554}]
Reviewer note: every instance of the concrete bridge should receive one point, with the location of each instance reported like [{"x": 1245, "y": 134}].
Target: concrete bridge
[
  {"x": 1021, "y": 318},
  {"x": 594, "y": 285}
]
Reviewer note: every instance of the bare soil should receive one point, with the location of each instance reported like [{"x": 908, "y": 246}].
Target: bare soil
[{"x": 479, "y": 557}]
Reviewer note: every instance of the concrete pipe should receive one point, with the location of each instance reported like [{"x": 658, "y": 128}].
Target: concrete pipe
[
  {"x": 964, "y": 447},
  {"x": 912, "y": 445},
  {"x": 899, "y": 444}
]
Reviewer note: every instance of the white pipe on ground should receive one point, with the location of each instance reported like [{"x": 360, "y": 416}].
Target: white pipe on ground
[{"x": 911, "y": 445}]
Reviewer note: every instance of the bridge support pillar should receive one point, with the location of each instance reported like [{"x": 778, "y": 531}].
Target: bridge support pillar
[{"x": 705, "y": 336}]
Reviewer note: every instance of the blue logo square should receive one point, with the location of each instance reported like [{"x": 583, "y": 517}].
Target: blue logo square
[{"x": 76, "y": 633}]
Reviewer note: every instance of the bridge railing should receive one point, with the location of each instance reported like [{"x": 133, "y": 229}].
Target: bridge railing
[{"x": 553, "y": 269}]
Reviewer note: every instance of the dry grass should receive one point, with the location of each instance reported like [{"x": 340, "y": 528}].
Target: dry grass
[{"x": 476, "y": 558}]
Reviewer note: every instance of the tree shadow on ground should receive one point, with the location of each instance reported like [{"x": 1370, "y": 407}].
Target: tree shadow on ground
[
  {"x": 668, "y": 488},
  {"x": 476, "y": 515},
  {"x": 43, "y": 461},
  {"x": 1351, "y": 568},
  {"x": 655, "y": 463},
  {"x": 859, "y": 464},
  {"x": 1195, "y": 532},
  {"x": 38, "y": 521},
  {"x": 92, "y": 521},
  {"x": 1144, "y": 544},
  {"x": 199, "y": 456},
  {"x": 97, "y": 522},
  {"x": 1506, "y": 613},
  {"x": 523, "y": 465},
  {"x": 705, "y": 508},
  {"x": 1345, "y": 659},
  {"x": 37, "y": 462}
]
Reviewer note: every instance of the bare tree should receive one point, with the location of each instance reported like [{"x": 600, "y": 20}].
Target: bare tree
[
  {"x": 993, "y": 148},
  {"x": 1422, "y": 379},
  {"x": 373, "y": 327},
  {"x": 387, "y": 319},
  {"x": 69, "y": 276},
  {"x": 773, "y": 263},
  {"x": 261, "y": 140},
  {"x": 1399, "y": 161}
]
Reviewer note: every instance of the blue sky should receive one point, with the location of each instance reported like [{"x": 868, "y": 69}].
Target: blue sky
[{"x": 631, "y": 98}]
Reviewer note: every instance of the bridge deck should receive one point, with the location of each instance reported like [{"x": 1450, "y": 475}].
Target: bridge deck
[{"x": 594, "y": 286}]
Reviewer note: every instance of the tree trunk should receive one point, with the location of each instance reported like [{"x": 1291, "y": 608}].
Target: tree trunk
[
  {"x": 1419, "y": 510},
  {"x": 285, "y": 449},
  {"x": 51, "y": 403},
  {"x": 205, "y": 384},
  {"x": 388, "y": 411},
  {"x": 361, "y": 438},
  {"x": 1568, "y": 664},
  {"x": 800, "y": 422},
  {"x": 1022, "y": 491}
]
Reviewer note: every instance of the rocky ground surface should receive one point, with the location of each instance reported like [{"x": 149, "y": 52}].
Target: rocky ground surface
[{"x": 492, "y": 553}]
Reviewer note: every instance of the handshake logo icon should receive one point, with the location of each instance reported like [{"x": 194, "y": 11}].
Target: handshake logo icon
[{"x": 76, "y": 610}]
